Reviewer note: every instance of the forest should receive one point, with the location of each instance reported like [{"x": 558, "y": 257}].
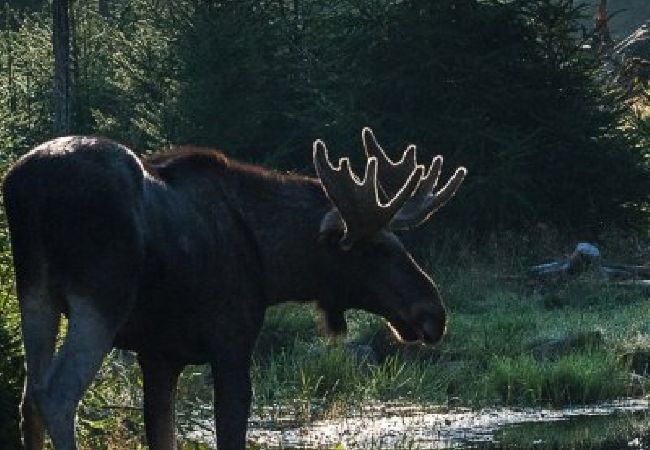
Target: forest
[{"x": 535, "y": 97}]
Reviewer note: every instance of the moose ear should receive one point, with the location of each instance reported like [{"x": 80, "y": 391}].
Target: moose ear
[{"x": 332, "y": 227}]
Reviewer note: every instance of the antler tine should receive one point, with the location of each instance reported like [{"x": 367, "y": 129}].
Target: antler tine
[
  {"x": 333, "y": 178},
  {"x": 357, "y": 200},
  {"x": 392, "y": 174},
  {"x": 424, "y": 201},
  {"x": 447, "y": 192},
  {"x": 430, "y": 180}
]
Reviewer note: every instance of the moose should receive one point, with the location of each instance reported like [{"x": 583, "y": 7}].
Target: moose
[{"x": 177, "y": 256}]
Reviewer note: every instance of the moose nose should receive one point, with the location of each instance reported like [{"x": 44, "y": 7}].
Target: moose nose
[
  {"x": 433, "y": 331},
  {"x": 432, "y": 323}
]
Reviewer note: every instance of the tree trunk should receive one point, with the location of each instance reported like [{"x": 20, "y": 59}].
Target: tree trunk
[
  {"x": 103, "y": 9},
  {"x": 603, "y": 37},
  {"x": 62, "y": 88}
]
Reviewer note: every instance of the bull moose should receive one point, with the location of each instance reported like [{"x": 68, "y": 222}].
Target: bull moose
[{"x": 176, "y": 257}]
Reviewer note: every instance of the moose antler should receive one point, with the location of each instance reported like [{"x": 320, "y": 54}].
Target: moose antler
[
  {"x": 357, "y": 200},
  {"x": 424, "y": 201},
  {"x": 391, "y": 173}
]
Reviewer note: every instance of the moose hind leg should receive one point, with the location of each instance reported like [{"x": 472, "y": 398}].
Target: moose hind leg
[
  {"x": 89, "y": 338},
  {"x": 40, "y": 324}
]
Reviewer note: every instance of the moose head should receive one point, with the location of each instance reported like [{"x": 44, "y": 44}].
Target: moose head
[{"x": 369, "y": 268}]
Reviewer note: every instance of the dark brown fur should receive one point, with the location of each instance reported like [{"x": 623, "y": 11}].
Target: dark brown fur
[{"x": 177, "y": 257}]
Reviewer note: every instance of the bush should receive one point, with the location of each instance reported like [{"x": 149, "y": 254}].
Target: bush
[
  {"x": 11, "y": 355},
  {"x": 502, "y": 87},
  {"x": 12, "y": 375}
]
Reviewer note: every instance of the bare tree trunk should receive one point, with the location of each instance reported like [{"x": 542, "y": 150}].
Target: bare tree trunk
[
  {"x": 74, "y": 70},
  {"x": 104, "y": 9},
  {"x": 62, "y": 88},
  {"x": 602, "y": 35}
]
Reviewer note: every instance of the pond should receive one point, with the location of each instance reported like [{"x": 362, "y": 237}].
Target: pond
[{"x": 608, "y": 426}]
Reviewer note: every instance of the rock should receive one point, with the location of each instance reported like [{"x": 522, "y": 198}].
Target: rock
[{"x": 552, "y": 349}]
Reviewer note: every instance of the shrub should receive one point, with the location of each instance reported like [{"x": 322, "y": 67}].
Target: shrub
[
  {"x": 12, "y": 375},
  {"x": 503, "y": 87}
]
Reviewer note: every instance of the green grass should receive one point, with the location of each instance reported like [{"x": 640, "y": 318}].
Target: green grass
[
  {"x": 488, "y": 357},
  {"x": 575, "y": 379}
]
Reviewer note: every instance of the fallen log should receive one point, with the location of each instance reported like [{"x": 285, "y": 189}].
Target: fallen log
[{"x": 587, "y": 257}]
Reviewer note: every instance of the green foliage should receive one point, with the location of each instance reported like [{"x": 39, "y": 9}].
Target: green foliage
[
  {"x": 11, "y": 357},
  {"x": 110, "y": 414},
  {"x": 11, "y": 374},
  {"x": 26, "y": 64},
  {"x": 502, "y": 87}
]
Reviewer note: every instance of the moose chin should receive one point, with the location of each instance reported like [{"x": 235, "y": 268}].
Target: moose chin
[{"x": 177, "y": 256}]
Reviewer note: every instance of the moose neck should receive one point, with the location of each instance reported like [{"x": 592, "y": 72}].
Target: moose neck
[{"x": 284, "y": 214}]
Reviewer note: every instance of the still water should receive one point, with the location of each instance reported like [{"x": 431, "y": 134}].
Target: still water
[{"x": 608, "y": 426}]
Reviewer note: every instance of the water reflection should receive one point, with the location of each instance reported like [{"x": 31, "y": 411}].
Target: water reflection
[
  {"x": 614, "y": 432},
  {"x": 617, "y": 425}
]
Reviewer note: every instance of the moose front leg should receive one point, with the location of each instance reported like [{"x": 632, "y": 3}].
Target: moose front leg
[
  {"x": 160, "y": 378},
  {"x": 232, "y": 395}
]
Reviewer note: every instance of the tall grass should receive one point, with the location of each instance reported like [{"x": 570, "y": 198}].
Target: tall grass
[
  {"x": 496, "y": 320},
  {"x": 574, "y": 379}
]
